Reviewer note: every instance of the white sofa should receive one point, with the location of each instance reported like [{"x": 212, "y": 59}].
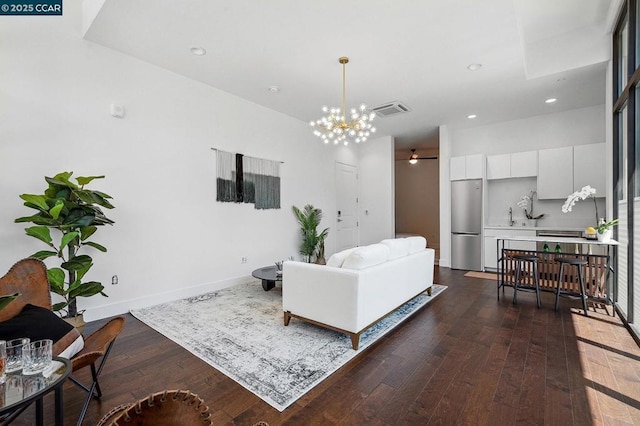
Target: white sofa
[{"x": 358, "y": 287}]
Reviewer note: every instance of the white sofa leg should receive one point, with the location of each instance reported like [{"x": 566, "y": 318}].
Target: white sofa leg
[{"x": 287, "y": 318}]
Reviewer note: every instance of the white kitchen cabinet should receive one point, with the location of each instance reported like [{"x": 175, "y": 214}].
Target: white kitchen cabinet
[
  {"x": 490, "y": 259},
  {"x": 517, "y": 164},
  {"x": 465, "y": 167},
  {"x": 555, "y": 173},
  {"x": 498, "y": 166},
  {"x": 473, "y": 166},
  {"x": 457, "y": 168},
  {"x": 490, "y": 243},
  {"x": 524, "y": 164},
  {"x": 589, "y": 167}
]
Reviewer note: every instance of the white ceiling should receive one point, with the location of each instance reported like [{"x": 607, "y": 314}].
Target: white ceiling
[{"x": 414, "y": 51}]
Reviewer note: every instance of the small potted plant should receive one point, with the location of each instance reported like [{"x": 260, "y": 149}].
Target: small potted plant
[
  {"x": 309, "y": 218},
  {"x": 526, "y": 204},
  {"x": 605, "y": 230},
  {"x": 74, "y": 212}
]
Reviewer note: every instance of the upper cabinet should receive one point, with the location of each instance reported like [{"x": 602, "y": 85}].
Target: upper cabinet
[
  {"x": 524, "y": 164},
  {"x": 589, "y": 167},
  {"x": 561, "y": 171},
  {"x": 498, "y": 166},
  {"x": 555, "y": 173},
  {"x": 518, "y": 164},
  {"x": 457, "y": 168},
  {"x": 465, "y": 167}
]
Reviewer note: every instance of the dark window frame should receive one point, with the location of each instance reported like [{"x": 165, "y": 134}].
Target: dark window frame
[{"x": 627, "y": 97}]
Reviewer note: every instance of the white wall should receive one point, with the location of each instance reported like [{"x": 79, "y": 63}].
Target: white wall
[
  {"x": 171, "y": 238},
  {"x": 575, "y": 127},
  {"x": 445, "y": 146},
  {"x": 376, "y": 179}
]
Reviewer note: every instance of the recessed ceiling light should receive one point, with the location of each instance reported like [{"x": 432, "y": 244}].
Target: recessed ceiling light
[
  {"x": 198, "y": 51},
  {"x": 274, "y": 89},
  {"x": 551, "y": 100},
  {"x": 471, "y": 116},
  {"x": 474, "y": 67}
]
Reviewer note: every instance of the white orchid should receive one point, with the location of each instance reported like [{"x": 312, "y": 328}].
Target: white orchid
[
  {"x": 525, "y": 202},
  {"x": 583, "y": 194}
]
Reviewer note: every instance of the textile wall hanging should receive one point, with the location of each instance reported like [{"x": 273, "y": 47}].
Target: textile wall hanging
[{"x": 242, "y": 179}]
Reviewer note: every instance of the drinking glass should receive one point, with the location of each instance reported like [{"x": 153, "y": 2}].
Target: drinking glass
[
  {"x": 14, "y": 354},
  {"x": 3, "y": 361},
  {"x": 33, "y": 384},
  {"x": 36, "y": 356}
]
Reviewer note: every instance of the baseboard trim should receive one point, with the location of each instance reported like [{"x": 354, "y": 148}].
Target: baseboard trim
[{"x": 105, "y": 311}]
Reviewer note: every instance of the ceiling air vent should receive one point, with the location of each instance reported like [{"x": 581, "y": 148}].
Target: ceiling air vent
[{"x": 391, "y": 108}]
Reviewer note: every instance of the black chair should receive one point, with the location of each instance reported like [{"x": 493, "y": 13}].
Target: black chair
[
  {"x": 96, "y": 346},
  {"x": 520, "y": 260},
  {"x": 578, "y": 263}
]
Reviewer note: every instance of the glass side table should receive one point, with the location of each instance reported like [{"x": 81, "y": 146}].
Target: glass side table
[{"x": 19, "y": 391}]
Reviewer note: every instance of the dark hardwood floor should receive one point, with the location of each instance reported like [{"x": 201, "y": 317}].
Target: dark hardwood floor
[{"x": 464, "y": 359}]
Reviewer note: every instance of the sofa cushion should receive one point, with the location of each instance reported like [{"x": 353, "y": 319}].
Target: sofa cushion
[
  {"x": 38, "y": 323},
  {"x": 337, "y": 259},
  {"x": 366, "y": 256},
  {"x": 398, "y": 247},
  {"x": 416, "y": 244}
]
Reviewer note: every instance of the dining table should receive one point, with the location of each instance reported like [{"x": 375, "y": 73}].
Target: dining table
[{"x": 602, "y": 260}]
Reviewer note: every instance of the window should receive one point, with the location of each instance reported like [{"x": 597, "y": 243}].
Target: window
[
  {"x": 622, "y": 70},
  {"x": 626, "y": 173}
]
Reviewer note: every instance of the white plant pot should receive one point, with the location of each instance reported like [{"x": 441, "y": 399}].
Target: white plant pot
[
  {"x": 605, "y": 237},
  {"x": 531, "y": 222}
]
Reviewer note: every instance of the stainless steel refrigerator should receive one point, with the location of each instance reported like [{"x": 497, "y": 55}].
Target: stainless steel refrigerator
[{"x": 466, "y": 224}]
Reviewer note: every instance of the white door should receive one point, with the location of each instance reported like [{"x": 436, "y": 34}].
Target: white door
[{"x": 347, "y": 205}]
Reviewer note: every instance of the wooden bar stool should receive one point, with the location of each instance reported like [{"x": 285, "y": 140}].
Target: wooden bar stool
[
  {"x": 578, "y": 263},
  {"x": 520, "y": 259}
]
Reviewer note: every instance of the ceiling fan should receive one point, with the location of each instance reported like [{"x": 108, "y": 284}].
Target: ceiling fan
[{"x": 413, "y": 158}]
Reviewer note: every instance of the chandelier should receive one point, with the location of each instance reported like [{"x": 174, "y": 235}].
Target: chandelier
[{"x": 334, "y": 126}]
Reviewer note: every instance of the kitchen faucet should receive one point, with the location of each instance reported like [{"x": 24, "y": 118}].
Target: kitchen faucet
[{"x": 511, "y": 221}]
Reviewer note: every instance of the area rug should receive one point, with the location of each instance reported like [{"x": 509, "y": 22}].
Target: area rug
[
  {"x": 483, "y": 275},
  {"x": 240, "y": 332}
]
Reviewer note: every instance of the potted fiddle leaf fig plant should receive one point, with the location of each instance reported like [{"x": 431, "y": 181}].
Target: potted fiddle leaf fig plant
[
  {"x": 312, "y": 242},
  {"x": 73, "y": 212}
]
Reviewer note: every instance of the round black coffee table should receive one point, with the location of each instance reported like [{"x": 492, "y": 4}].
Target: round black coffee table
[{"x": 268, "y": 276}]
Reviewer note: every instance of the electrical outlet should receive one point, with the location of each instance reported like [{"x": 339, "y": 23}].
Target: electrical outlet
[
  {"x": 114, "y": 280},
  {"x": 244, "y": 260}
]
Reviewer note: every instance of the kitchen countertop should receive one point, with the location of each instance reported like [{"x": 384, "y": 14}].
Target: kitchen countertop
[
  {"x": 535, "y": 228},
  {"x": 568, "y": 240}
]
